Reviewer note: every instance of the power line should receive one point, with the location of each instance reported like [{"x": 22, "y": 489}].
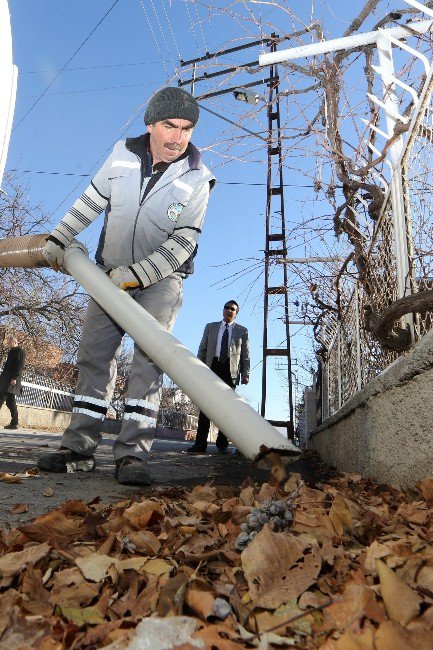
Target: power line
[
  {"x": 94, "y": 90},
  {"x": 154, "y": 37},
  {"x": 66, "y": 64},
  {"x": 226, "y": 119},
  {"x": 34, "y": 171},
  {"x": 90, "y": 67}
]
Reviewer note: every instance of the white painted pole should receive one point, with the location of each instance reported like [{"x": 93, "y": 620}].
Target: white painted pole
[
  {"x": 8, "y": 84},
  {"x": 386, "y": 66},
  {"x": 251, "y": 434},
  {"x": 344, "y": 43}
]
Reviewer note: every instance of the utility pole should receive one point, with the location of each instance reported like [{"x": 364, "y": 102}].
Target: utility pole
[
  {"x": 275, "y": 246},
  {"x": 275, "y": 243}
]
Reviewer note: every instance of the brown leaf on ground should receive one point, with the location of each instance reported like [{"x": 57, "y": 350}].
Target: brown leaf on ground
[
  {"x": 350, "y": 608},
  {"x": 145, "y": 513},
  {"x": 8, "y": 601},
  {"x": 279, "y": 567},
  {"x": 351, "y": 641},
  {"x": 218, "y": 637},
  {"x": 202, "y": 493},
  {"x": 314, "y": 522},
  {"x": 38, "y": 602},
  {"x": 71, "y": 590},
  {"x": 340, "y": 515},
  {"x": 24, "y": 633},
  {"x": 171, "y": 596},
  {"x": 401, "y": 602},
  {"x": 414, "y": 513},
  {"x": 107, "y": 567},
  {"x": 9, "y": 478},
  {"x": 278, "y": 469},
  {"x": 54, "y": 527},
  {"x": 13, "y": 563},
  {"x": 425, "y": 486},
  {"x": 391, "y": 636},
  {"x": 32, "y": 471},
  {"x": 145, "y": 541},
  {"x": 200, "y": 600},
  {"x": 19, "y": 508},
  {"x": 94, "y": 567}
]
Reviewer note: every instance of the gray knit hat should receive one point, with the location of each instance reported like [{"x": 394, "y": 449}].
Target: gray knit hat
[{"x": 171, "y": 103}]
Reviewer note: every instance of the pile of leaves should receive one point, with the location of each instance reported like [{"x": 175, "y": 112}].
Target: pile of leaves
[{"x": 352, "y": 571}]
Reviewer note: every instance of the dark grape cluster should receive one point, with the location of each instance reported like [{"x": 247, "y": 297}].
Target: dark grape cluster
[{"x": 277, "y": 514}]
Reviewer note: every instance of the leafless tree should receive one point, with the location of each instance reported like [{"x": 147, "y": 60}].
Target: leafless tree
[
  {"x": 38, "y": 303},
  {"x": 322, "y": 101}
]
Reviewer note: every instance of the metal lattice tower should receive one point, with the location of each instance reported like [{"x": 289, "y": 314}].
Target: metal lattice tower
[{"x": 276, "y": 248}]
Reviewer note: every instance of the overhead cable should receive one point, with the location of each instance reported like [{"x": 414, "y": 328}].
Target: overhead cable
[
  {"x": 65, "y": 66},
  {"x": 154, "y": 37}
]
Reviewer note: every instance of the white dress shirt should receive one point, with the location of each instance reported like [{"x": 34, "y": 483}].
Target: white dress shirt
[{"x": 220, "y": 335}]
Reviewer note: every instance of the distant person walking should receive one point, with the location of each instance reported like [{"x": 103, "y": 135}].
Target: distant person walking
[
  {"x": 225, "y": 349},
  {"x": 10, "y": 378}
]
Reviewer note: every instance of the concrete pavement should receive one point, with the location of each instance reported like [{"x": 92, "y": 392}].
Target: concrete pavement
[{"x": 169, "y": 465}]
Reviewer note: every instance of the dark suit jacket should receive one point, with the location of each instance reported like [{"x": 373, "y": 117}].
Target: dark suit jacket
[
  {"x": 13, "y": 369},
  {"x": 239, "y": 349}
]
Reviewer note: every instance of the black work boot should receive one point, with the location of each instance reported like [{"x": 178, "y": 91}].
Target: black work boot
[
  {"x": 65, "y": 460},
  {"x": 196, "y": 449},
  {"x": 131, "y": 470},
  {"x": 12, "y": 425}
]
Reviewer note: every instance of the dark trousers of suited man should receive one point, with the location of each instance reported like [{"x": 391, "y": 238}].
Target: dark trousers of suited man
[{"x": 223, "y": 372}]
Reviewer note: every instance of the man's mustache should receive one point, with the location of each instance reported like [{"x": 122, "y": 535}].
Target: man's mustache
[{"x": 173, "y": 146}]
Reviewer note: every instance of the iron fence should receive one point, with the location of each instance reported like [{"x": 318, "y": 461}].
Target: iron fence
[{"x": 397, "y": 262}]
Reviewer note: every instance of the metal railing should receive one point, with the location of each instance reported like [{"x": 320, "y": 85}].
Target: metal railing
[
  {"x": 398, "y": 256},
  {"x": 44, "y": 392}
]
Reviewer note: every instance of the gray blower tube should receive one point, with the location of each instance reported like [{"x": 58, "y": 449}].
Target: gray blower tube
[{"x": 253, "y": 435}]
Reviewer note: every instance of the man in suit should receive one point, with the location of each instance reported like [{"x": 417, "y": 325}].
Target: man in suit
[
  {"x": 10, "y": 378},
  {"x": 225, "y": 349}
]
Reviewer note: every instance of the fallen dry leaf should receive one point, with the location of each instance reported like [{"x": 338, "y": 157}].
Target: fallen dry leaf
[
  {"x": 19, "y": 508},
  {"x": 94, "y": 567},
  {"x": 401, "y": 602},
  {"x": 279, "y": 567},
  {"x": 144, "y": 513},
  {"x": 425, "y": 486},
  {"x": 352, "y": 571},
  {"x": 9, "y": 478},
  {"x": 340, "y": 515},
  {"x": 13, "y": 563}
]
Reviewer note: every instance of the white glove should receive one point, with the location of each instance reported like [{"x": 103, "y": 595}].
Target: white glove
[
  {"x": 54, "y": 251},
  {"x": 124, "y": 278}
]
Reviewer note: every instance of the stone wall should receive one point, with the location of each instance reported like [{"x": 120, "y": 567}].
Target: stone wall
[
  {"x": 386, "y": 431},
  {"x": 33, "y": 417}
]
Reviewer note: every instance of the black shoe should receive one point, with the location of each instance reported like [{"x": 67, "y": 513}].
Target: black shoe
[
  {"x": 131, "y": 470},
  {"x": 196, "y": 449},
  {"x": 222, "y": 450},
  {"x": 65, "y": 460},
  {"x": 12, "y": 426}
]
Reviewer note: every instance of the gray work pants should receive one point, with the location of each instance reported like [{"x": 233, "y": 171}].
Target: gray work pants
[{"x": 99, "y": 349}]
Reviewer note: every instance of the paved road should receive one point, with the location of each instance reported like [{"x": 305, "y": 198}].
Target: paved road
[{"x": 169, "y": 465}]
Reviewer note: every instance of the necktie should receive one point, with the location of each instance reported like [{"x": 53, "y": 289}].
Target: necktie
[{"x": 224, "y": 352}]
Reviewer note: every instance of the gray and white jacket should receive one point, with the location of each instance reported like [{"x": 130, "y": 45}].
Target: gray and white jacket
[{"x": 154, "y": 233}]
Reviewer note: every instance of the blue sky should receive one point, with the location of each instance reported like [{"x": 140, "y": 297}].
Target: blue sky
[{"x": 99, "y": 97}]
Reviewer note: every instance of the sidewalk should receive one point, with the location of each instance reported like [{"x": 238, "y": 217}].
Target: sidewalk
[{"x": 169, "y": 465}]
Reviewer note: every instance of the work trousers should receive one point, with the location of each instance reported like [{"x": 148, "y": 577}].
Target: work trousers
[
  {"x": 223, "y": 372},
  {"x": 98, "y": 352},
  {"x": 10, "y": 400}
]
